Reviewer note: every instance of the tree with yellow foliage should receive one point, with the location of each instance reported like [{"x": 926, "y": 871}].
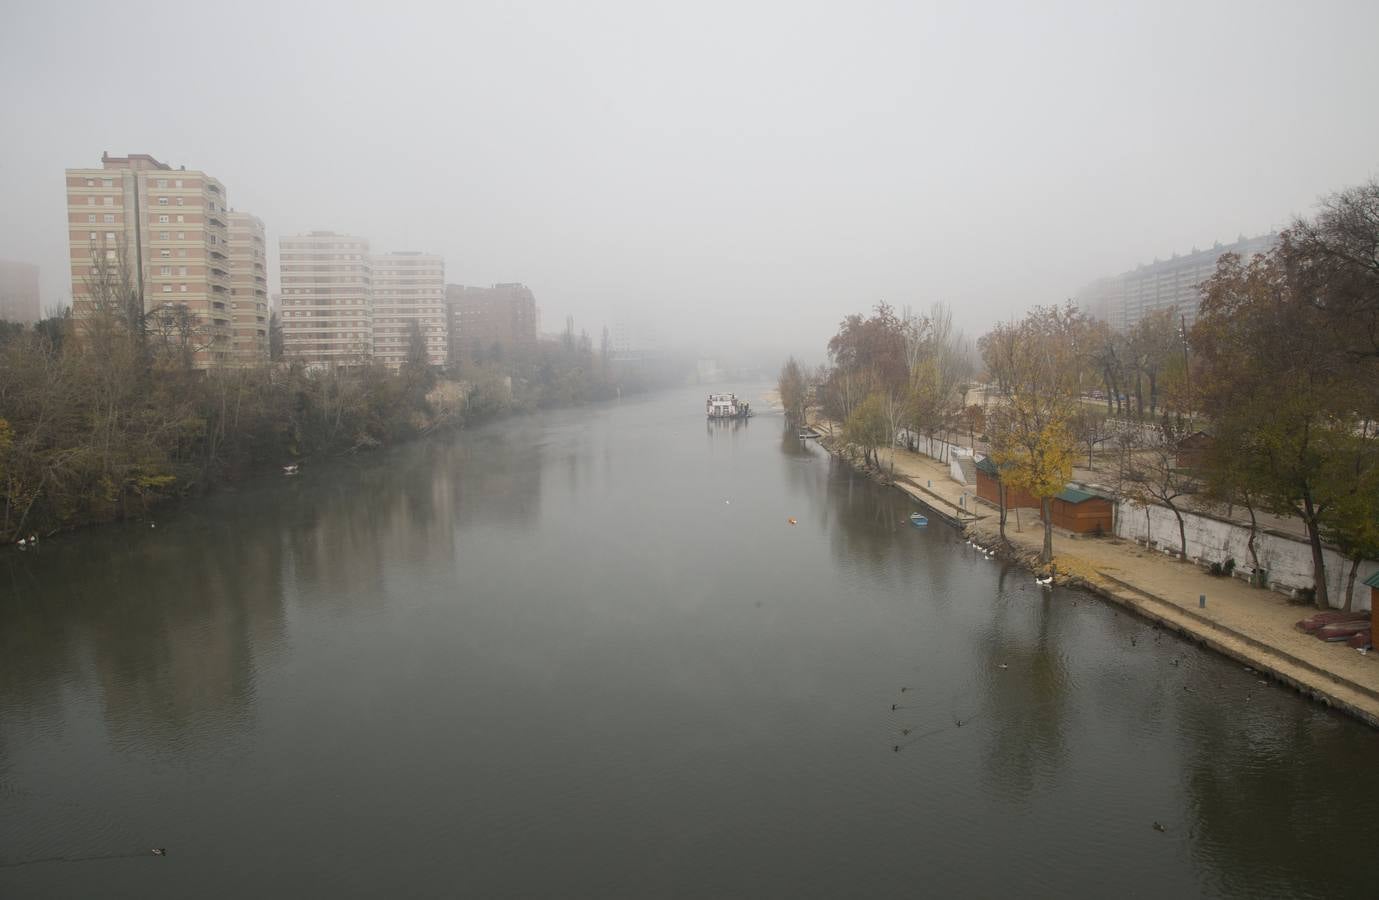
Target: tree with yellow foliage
[{"x": 1030, "y": 436}]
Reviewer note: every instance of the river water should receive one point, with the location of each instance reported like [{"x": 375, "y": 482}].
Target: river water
[{"x": 584, "y": 654}]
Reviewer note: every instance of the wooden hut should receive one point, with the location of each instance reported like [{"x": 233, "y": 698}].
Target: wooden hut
[
  {"x": 1082, "y": 512},
  {"x": 989, "y": 487}
]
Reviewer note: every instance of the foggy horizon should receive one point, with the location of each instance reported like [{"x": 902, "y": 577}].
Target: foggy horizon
[{"x": 737, "y": 179}]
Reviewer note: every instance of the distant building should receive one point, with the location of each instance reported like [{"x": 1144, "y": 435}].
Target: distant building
[
  {"x": 167, "y": 229},
  {"x": 248, "y": 289},
  {"x": 19, "y": 292},
  {"x": 327, "y": 298},
  {"x": 635, "y": 341},
  {"x": 1123, "y": 300},
  {"x": 497, "y": 322},
  {"x": 409, "y": 287}
]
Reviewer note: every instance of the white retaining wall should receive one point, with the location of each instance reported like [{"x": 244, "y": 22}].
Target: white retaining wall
[{"x": 1288, "y": 560}]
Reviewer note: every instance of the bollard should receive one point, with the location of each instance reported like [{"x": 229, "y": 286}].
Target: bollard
[
  {"x": 1201, "y": 601},
  {"x": 931, "y": 482}
]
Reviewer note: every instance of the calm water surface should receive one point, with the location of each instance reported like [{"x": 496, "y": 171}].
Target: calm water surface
[{"x": 585, "y": 655}]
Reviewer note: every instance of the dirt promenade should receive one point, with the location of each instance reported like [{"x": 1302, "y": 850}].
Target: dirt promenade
[{"x": 1251, "y": 625}]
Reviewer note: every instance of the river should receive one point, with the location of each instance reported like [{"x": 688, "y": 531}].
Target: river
[{"x": 585, "y": 654}]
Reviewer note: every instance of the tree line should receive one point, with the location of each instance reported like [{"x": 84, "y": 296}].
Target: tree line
[
  {"x": 1277, "y": 383},
  {"x": 105, "y": 414}
]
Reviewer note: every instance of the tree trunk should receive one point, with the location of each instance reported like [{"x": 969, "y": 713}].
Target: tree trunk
[
  {"x": 1153, "y": 393},
  {"x": 1314, "y": 537},
  {"x": 1001, "y": 497},
  {"x": 1254, "y": 536},
  {"x": 1046, "y": 508},
  {"x": 1350, "y": 584},
  {"x": 1182, "y": 533}
]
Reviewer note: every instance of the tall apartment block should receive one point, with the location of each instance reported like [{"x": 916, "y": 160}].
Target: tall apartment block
[
  {"x": 488, "y": 323},
  {"x": 167, "y": 229},
  {"x": 19, "y": 292},
  {"x": 409, "y": 287},
  {"x": 327, "y": 298},
  {"x": 1175, "y": 283},
  {"x": 248, "y": 289}
]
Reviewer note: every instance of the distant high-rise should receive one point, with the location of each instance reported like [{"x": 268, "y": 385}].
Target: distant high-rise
[
  {"x": 327, "y": 298},
  {"x": 19, "y": 292},
  {"x": 166, "y": 230},
  {"x": 1123, "y": 300},
  {"x": 248, "y": 289},
  {"x": 491, "y": 323},
  {"x": 407, "y": 288}
]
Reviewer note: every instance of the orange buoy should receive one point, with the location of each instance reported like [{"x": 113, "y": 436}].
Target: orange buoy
[{"x": 792, "y": 521}]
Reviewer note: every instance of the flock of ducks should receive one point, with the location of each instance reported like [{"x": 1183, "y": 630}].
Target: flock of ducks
[
  {"x": 30, "y": 541},
  {"x": 1044, "y": 581}
]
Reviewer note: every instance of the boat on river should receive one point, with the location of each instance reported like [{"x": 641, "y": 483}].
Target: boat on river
[
  {"x": 727, "y": 406},
  {"x": 918, "y": 520}
]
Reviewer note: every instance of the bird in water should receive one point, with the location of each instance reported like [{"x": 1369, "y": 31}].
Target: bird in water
[
  {"x": 1003, "y": 666},
  {"x": 904, "y": 731},
  {"x": 1160, "y": 827},
  {"x": 959, "y": 722},
  {"x": 903, "y": 689},
  {"x": 160, "y": 851},
  {"x": 893, "y": 707}
]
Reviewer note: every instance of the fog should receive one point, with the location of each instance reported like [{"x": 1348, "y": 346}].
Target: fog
[{"x": 736, "y": 176}]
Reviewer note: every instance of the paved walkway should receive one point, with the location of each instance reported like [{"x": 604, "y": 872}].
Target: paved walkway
[{"x": 1249, "y": 624}]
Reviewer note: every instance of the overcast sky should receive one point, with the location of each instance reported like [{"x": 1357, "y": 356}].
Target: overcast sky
[{"x": 753, "y": 168}]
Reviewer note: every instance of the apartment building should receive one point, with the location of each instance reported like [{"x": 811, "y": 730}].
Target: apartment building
[
  {"x": 19, "y": 292},
  {"x": 1123, "y": 300},
  {"x": 327, "y": 298},
  {"x": 248, "y": 289},
  {"x": 166, "y": 231},
  {"x": 409, "y": 288},
  {"x": 491, "y": 323}
]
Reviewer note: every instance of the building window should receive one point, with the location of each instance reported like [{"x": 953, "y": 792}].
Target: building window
[
  {"x": 184, "y": 288},
  {"x": 109, "y": 182},
  {"x": 178, "y": 183},
  {"x": 90, "y": 201},
  {"x": 179, "y": 202},
  {"x": 182, "y": 270},
  {"x": 162, "y": 182},
  {"x": 93, "y": 235},
  {"x": 181, "y": 235},
  {"x": 110, "y": 218},
  {"x": 165, "y": 253},
  {"x": 181, "y": 218},
  {"x": 110, "y": 236},
  {"x": 91, "y": 218},
  {"x": 90, "y": 182},
  {"x": 162, "y": 201},
  {"x": 162, "y": 220},
  {"x": 162, "y": 235},
  {"x": 165, "y": 270},
  {"x": 109, "y": 201},
  {"x": 110, "y": 254},
  {"x": 167, "y": 289}
]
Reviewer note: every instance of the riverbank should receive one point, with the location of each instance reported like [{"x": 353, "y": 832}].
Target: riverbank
[{"x": 1244, "y": 623}]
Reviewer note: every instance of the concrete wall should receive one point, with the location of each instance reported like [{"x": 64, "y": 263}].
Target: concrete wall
[{"x": 1289, "y": 560}]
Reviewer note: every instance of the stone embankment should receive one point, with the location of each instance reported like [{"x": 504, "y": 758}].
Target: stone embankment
[{"x": 1248, "y": 624}]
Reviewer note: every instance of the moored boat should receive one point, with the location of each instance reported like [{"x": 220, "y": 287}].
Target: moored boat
[
  {"x": 727, "y": 406},
  {"x": 918, "y": 520}
]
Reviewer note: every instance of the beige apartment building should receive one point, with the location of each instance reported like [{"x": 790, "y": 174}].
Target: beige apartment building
[
  {"x": 409, "y": 287},
  {"x": 327, "y": 298},
  {"x": 248, "y": 289},
  {"x": 165, "y": 229}
]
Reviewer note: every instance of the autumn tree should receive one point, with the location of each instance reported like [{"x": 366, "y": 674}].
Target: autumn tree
[
  {"x": 794, "y": 391},
  {"x": 1270, "y": 381},
  {"x": 867, "y": 428},
  {"x": 1029, "y": 431},
  {"x": 1150, "y": 474}
]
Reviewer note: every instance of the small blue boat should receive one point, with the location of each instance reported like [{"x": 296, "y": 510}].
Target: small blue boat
[{"x": 917, "y": 520}]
